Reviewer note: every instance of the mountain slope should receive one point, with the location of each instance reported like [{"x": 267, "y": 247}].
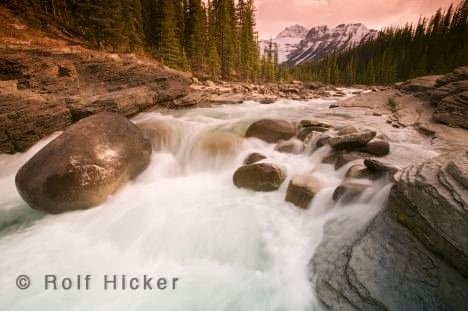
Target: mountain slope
[
  {"x": 288, "y": 41},
  {"x": 321, "y": 41}
]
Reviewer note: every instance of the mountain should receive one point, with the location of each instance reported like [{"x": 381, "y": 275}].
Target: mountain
[
  {"x": 321, "y": 41},
  {"x": 287, "y": 40}
]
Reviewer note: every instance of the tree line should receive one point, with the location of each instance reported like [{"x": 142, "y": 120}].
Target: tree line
[
  {"x": 216, "y": 39},
  {"x": 435, "y": 45}
]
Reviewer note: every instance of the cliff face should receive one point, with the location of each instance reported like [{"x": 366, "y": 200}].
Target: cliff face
[
  {"x": 46, "y": 84},
  {"x": 42, "y": 91}
]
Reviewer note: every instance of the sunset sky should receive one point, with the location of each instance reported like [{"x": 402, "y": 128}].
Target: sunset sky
[{"x": 274, "y": 15}]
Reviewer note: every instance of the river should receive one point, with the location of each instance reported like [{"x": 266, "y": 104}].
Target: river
[{"x": 230, "y": 248}]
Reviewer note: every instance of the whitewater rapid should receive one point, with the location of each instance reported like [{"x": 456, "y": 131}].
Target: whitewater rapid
[{"x": 230, "y": 248}]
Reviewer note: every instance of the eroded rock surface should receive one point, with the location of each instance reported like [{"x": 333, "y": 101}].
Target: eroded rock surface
[
  {"x": 410, "y": 255},
  {"x": 44, "y": 90}
]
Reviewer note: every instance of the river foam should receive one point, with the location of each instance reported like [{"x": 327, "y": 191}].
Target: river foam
[{"x": 232, "y": 249}]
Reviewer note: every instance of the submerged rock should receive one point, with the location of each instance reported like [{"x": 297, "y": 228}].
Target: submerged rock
[
  {"x": 221, "y": 143},
  {"x": 359, "y": 171},
  {"x": 254, "y": 158},
  {"x": 271, "y": 131},
  {"x": 348, "y": 192},
  {"x": 84, "y": 165},
  {"x": 301, "y": 190},
  {"x": 161, "y": 134},
  {"x": 259, "y": 177},
  {"x": 294, "y": 146}
]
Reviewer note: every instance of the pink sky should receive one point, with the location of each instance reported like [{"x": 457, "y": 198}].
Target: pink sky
[{"x": 274, "y": 15}]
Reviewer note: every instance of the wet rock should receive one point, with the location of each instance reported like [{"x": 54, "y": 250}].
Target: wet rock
[
  {"x": 431, "y": 200},
  {"x": 263, "y": 177},
  {"x": 301, "y": 190},
  {"x": 380, "y": 167},
  {"x": 376, "y": 264},
  {"x": 333, "y": 106},
  {"x": 359, "y": 171},
  {"x": 348, "y": 192},
  {"x": 410, "y": 255},
  {"x": 377, "y": 147},
  {"x": 322, "y": 140},
  {"x": 351, "y": 141},
  {"x": 349, "y": 129},
  {"x": 254, "y": 158},
  {"x": 294, "y": 146},
  {"x": 330, "y": 159},
  {"x": 304, "y": 132},
  {"x": 343, "y": 158},
  {"x": 271, "y": 131},
  {"x": 83, "y": 166},
  {"x": 314, "y": 123}
]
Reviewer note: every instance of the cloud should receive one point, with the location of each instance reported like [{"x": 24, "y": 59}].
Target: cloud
[{"x": 275, "y": 15}]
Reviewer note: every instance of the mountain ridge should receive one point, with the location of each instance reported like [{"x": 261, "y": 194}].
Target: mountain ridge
[{"x": 296, "y": 46}]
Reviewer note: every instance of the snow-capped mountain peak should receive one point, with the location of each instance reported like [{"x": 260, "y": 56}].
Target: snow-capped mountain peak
[
  {"x": 296, "y": 31},
  {"x": 287, "y": 41},
  {"x": 321, "y": 41}
]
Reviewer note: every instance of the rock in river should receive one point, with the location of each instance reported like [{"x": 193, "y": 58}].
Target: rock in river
[
  {"x": 271, "y": 131},
  {"x": 84, "y": 165},
  {"x": 351, "y": 141},
  {"x": 301, "y": 190},
  {"x": 259, "y": 177}
]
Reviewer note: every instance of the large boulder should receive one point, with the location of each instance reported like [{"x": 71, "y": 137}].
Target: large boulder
[
  {"x": 84, "y": 165},
  {"x": 351, "y": 141},
  {"x": 301, "y": 190},
  {"x": 271, "y": 131},
  {"x": 259, "y": 177},
  {"x": 408, "y": 255}
]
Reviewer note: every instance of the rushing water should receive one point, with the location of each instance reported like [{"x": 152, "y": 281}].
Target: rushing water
[{"x": 232, "y": 249}]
